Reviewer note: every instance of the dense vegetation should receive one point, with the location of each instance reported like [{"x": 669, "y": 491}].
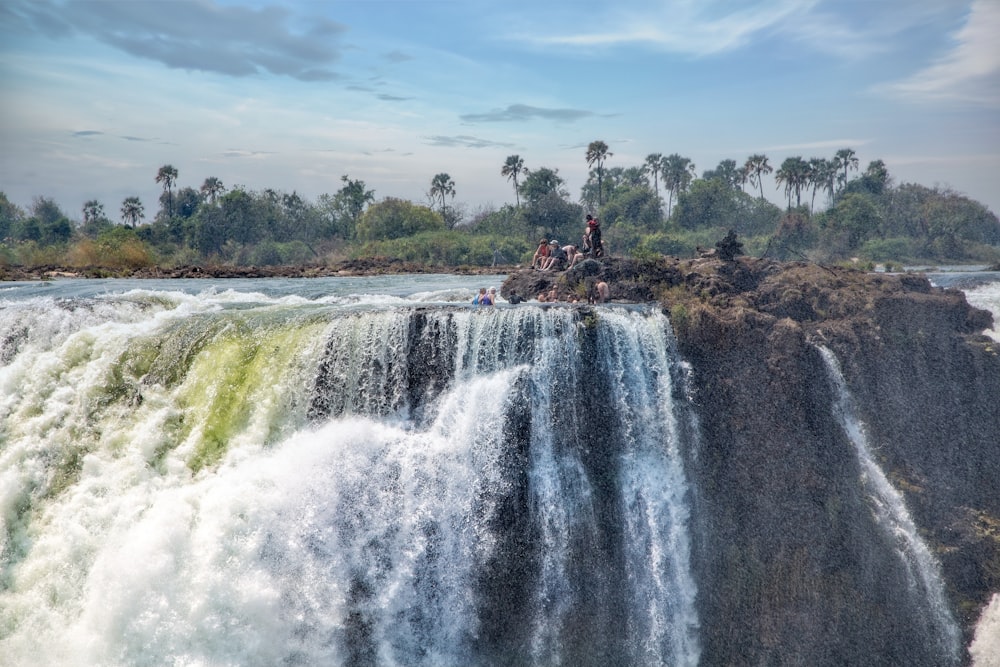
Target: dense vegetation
[{"x": 658, "y": 207}]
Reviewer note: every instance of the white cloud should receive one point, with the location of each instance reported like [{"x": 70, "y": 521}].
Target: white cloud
[
  {"x": 684, "y": 26},
  {"x": 970, "y": 72}
]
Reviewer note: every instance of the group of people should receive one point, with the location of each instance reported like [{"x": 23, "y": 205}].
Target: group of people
[
  {"x": 598, "y": 292},
  {"x": 485, "y": 298},
  {"x": 550, "y": 256}
]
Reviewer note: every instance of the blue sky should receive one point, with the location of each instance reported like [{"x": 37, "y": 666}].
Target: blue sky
[{"x": 292, "y": 95}]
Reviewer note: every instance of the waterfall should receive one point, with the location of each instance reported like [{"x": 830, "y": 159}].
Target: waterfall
[
  {"x": 299, "y": 483},
  {"x": 889, "y": 510}
]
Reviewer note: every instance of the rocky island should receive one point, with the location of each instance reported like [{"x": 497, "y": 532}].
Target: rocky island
[{"x": 780, "y": 513}]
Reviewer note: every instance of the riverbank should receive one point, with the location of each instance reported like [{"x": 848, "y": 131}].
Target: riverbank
[{"x": 372, "y": 266}]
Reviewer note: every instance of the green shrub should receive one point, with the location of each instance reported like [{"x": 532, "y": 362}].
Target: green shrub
[
  {"x": 448, "y": 248},
  {"x": 881, "y": 250}
]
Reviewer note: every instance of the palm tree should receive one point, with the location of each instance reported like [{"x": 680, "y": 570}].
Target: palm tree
[
  {"x": 757, "y": 165},
  {"x": 678, "y": 173},
  {"x": 92, "y": 210},
  {"x": 512, "y": 168},
  {"x": 597, "y": 153},
  {"x": 794, "y": 173},
  {"x": 845, "y": 159},
  {"x": 212, "y": 188},
  {"x": 742, "y": 176},
  {"x": 442, "y": 186},
  {"x": 822, "y": 174},
  {"x": 131, "y": 210},
  {"x": 167, "y": 175},
  {"x": 654, "y": 162}
]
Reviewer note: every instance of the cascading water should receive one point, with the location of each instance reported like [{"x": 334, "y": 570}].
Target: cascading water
[
  {"x": 223, "y": 481},
  {"x": 889, "y": 510}
]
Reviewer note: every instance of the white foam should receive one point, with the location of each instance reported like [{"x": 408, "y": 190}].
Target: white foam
[{"x": 985, "y": 647}]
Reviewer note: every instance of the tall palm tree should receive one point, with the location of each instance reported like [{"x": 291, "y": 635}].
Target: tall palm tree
[
  {"x": 597, "y": 153},
  {"x": 442, "y": 186},
  {"x": 845, "y": 159},
  {"x": 212, "y": 188},
  {"x": 131, "y": 210},
  {"x": 678, "y": 172},
  {"x": 742, "y": 176},
  {"x": 167, "y": 175},
  {"x": 822, "y": 174},
  {"x": 756, "y": 166},
  {"x": 794, "y": 173},
  {"x": 512, "y": 168},
  {"x": 92, "y": 210},
  {"x": 654, "y": 162}
]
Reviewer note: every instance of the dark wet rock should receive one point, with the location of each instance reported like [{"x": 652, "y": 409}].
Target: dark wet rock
[{"x": 784, "y": 532}]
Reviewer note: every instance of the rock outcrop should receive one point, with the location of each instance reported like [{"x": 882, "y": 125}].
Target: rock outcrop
[{"x": 787, "y": 571}]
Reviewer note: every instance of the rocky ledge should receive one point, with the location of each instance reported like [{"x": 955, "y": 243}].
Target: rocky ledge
[{"x": 783, "y": 520}]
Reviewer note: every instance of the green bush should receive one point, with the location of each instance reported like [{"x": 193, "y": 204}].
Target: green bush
[
  {"x": 448, "y": 248},
  {"x": 892, "y": 249},
  {"x": 266, "y": 253},
  {"x": 654, "y": 245}
]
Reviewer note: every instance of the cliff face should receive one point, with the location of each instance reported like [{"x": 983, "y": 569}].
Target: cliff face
[{"x": 792, "y": 567}]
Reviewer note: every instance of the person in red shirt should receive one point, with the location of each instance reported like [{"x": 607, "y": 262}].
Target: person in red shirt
[{"x": 541, "y": 254}]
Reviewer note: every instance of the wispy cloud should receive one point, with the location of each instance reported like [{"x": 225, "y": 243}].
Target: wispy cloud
[
  {"x": 970, "y": 72},
  {"x": 240, "y": 153},
  {"x": 823, "y": 144},
  {"x": 397, "y": 57},
  {"x": 83, "y": 134},
  {"x": 194, "y": 34},
  {"x": 465, "y": 141},
  {"x": 681, "y": 26},
  {"x": 522, "y": 112}
]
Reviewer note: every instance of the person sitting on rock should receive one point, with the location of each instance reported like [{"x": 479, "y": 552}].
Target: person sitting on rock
[
  {"x": 541, "y": 254},
  {"x": 478, "y": 300},
  {"x": 557, "y": 257}
]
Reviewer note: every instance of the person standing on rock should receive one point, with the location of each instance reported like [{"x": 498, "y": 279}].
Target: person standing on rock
[
  {"x": 598, "y": 292},
  {"x": 596, "y": 245}
]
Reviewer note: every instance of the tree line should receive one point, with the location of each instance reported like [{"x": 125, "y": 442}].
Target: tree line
[{"x": 660, "y": 206}]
